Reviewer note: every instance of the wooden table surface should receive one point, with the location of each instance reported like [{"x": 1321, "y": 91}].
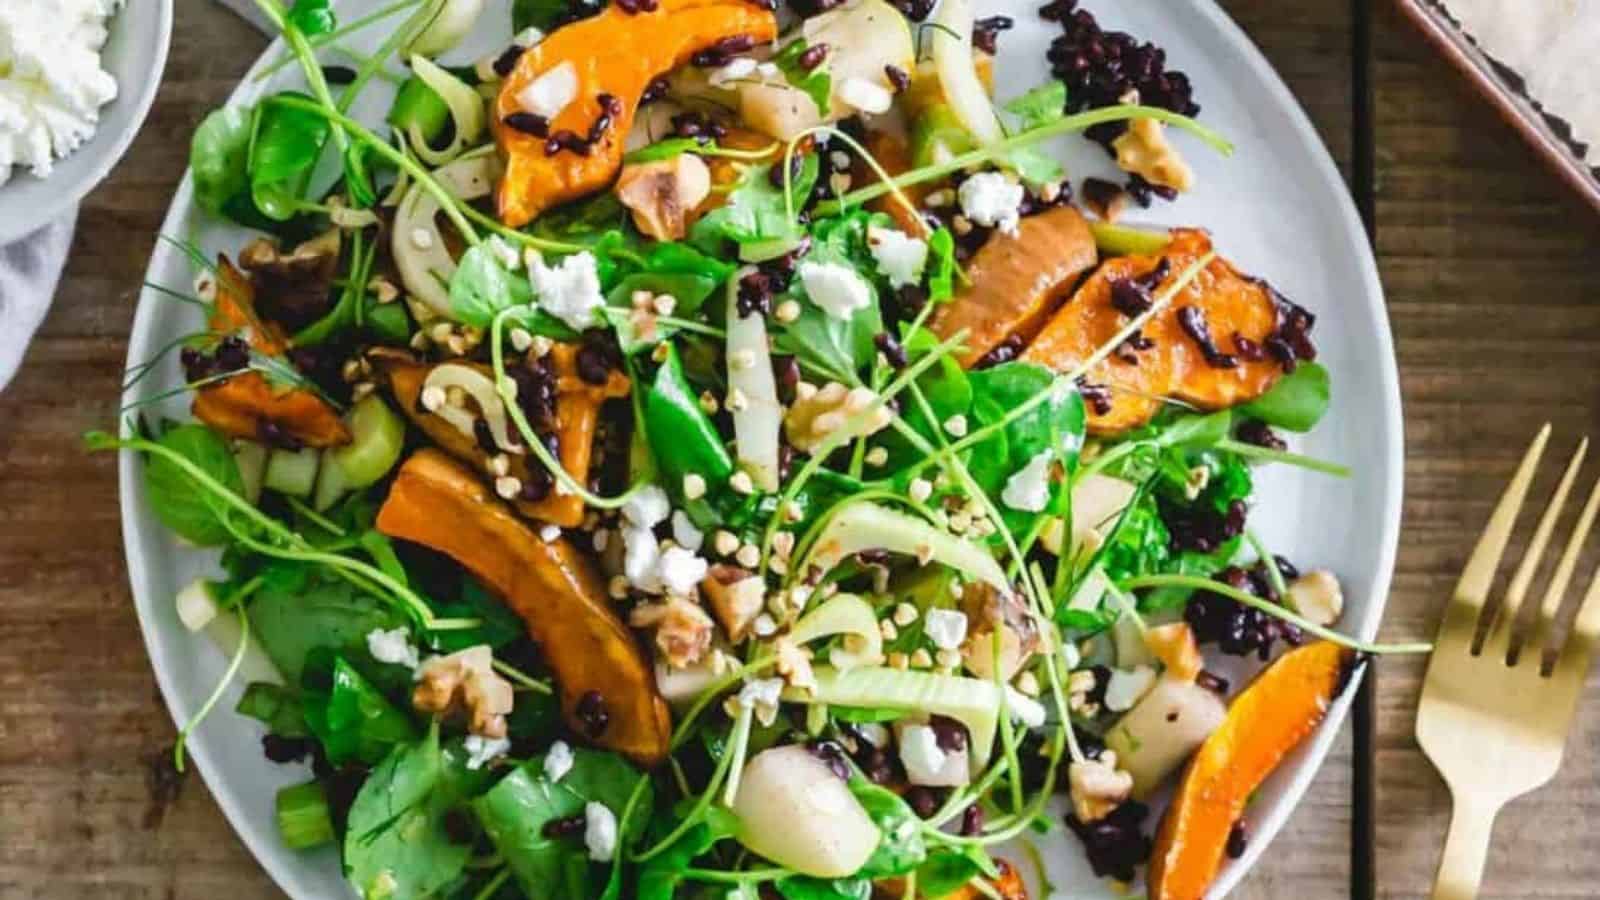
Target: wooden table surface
[{"x": 1493, "y": 285}]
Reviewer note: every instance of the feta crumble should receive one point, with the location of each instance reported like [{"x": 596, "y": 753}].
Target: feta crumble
[
  {"x": 900, "y": 257},
  {"x": 557, "y": 761},
  {"x": 648, "y": 508},
  {"x": 679, "y": 571},
  {"x": 946, "y": 628},
  {"x": 393, "y": 646},
  {"x": 837, "y": 289},
  {"x": 481, "y": 750},
  {"x": 599, "y": 831},
  {"x": 991, "y": 199},
  {"x": 1028, "y": 489},
  {"x": 551, "y": 92},
  {"x": 640, "y": 557},
  {"x": 684, "y": 532},
  {"x": 570, "y": 290}
]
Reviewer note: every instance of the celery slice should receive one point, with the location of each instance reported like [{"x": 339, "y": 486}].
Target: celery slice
[
  {"x": 378, "y": 435},
  {"x": 303, "y": 817},
  {"x": 292, "y": 472}
]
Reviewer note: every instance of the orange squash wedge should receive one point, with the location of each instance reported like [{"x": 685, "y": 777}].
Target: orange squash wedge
[
  {"x": 246, "y": 405},
  {"x": 615, "y": 53},
  {"x": 1017, "y": 282},
  {"x": 1233, "y": 306},
  {"x": 234, "y": 311},
  {"x": 578, "y": 406},
  {"x": 1271, "y": 717},
  {"x": 438, "y": 502}
]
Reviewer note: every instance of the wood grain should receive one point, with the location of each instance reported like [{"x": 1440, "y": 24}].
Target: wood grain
[{"x": 1492, "y": 293}]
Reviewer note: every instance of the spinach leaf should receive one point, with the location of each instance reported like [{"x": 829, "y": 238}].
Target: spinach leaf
[
  {"x": 998, "y": 390},
  {"x": 681, "y": 436},
  {"x": 839, "y": 345},
  {"x": 419, "y": 111},
  {"x": 901, "y": 847},
  {"x": 293, "y": 617},
  {"x": 397, "y": 846},
  {"x": 755, "y": 211},
  {"x": 481, "y": 288},
  {"x": 285, "y": 143},
  {"x": 189, "y": 513},
  {"x": 276, "y": 706},
  {"x": 804, "y": 887},
  {"x": 946, "y": 871},
  {"x": 546, "y": 15},
  {"x": 219, "y": 160},
  {"x": 515, "y": 812},
  {"x": 351, "y": 718},
  {"x": 662, "y": 874},
  {"x": 815, "y": 81},
  {"x": 941, "y": 265},
  {"x": 1297, "y": 402},
  {"x": 1193, "y": 432},
  {"x": 312, "y": 17},
  {"x": 670, "y": 268},
  {"x": 948, "y": 391},
  {"x": 1040, "y": 106},
  {"x": 500, "y": 625}
]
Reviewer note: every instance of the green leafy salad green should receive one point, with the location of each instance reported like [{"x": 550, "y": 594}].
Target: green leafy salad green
[{"x": 730, "y": 528}]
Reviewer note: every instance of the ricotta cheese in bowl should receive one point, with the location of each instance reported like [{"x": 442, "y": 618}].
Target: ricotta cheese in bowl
[{"x": 52, "y": 83}]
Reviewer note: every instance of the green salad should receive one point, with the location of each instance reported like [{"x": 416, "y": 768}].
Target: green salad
[{"x": 706, "y": 450}]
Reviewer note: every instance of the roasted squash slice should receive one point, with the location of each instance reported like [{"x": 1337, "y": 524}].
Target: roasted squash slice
[
  {"x": 1231, "y": 306},
  {"x": 892, "y": 153},
  {"x": 1017, "y": 281},
  {"x": 1279, "y": 709},
  {"x": 248, "y": 406},
  {"x": 615, "y": 53},
  {"x": 577, "y": 413},
  {"x": 437, "y": 502},
  {"x": 234, "y": 311}
]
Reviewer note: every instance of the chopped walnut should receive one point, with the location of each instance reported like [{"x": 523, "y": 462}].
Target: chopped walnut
[
  {"x": 465, "y": 681},
  {"x": 736, "y": 596},
  {"x": 1145, "y": 151},
  {"x": 293, "y": 288},
  {"x": 826, "y": 413},
  {"x": 987, "y": 610},
  {"x": 1098, "y": 787},
  {"x": 683, "y": 630},
  {"x": 1080, "y": 684},
  {"x": 794, "y": 665},
  {"x": 662, "y": 194}
]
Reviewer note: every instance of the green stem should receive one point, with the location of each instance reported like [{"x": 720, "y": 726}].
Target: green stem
[
  {"x": 748, "y": 876},
  {"x": 216, "y": 693},
  {"x": 741, "y": 724},
  {"x": 1198, "y": 583},
  {"x": 303, "y": 51},
  {"x": 1267, "y": 454},
  {"x": 398, "y": 38},
  {"x": 1065, "y": 125},
  {"x": 320, "y": 40}
]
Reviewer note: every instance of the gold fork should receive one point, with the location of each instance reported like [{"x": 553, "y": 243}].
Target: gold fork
[{"x": 1492, "y": 719}]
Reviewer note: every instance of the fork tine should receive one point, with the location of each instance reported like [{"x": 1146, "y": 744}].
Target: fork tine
[
  {"x": 1473, "y": 588},
  {"x": 1517, "y": 590},
  {"x": 1550, "y": 606},
  {"x": 1585, "y": 633}
]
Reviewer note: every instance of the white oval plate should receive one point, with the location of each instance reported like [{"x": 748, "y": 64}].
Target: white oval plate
[
  {"x": 136, "y": 55},
  {"x": 1277, "y": 207}
]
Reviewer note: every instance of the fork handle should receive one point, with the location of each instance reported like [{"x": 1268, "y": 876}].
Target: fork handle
[{"x": 1466, "y": 849}]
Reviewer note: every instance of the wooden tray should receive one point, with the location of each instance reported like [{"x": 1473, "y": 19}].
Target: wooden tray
[{"x": 1503, "y": 89}]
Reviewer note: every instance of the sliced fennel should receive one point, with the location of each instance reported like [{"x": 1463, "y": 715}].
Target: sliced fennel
[
  {"x": 958, "y": 73},
  {"x": 869, "y": 526},
  {"x": 758, "y": 418},
  {"x": 466, "y": 110},
  {"x": 418, "y": 247},
  {"x": 970, "y": 701},
  {"x": 446, "y": 29},
  {"x": 848, "y": 615},
  {"x": 481, "y": 389}
]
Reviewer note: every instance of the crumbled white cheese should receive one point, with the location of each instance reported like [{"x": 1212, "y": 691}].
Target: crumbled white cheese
[
  {"x": 641, "y": 555},
  {"x": 1126, "y": 687},
  {"x": 1024, "y": 709},
  {"x": 557, "y": 761},
  {"x": 836, "y": 288},
  {"x": 901, "y": 258},
  {"x": 679, "y": 571},
  {"x": 393, "y": 646},
  {"x": 684, "y": 532},
  {"x": 570, "y": 291},
  {"x": 921, "y": 754},
  {"x": 480, "y": 750},
  {"x": 647, "y": 508},
  {"x": 549, "y": 532},
  {"x": 1028, "y": 489},
  {"x": 867, "y": 96},
  {"x": 52, "y": 83},
  {"x": 551, "y": 92},
  {"x": 599, "y": 831},
  {"x": 946, "y": 628},
  {"x": 735, "y": 69},
  {"x": 991, "y": 199}
]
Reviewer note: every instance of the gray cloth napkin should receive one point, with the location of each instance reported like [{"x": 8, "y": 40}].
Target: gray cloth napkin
[{"x": 30, "y": 269}]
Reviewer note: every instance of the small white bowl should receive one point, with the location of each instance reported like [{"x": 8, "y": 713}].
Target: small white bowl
[{"x": 136, "y": 55}]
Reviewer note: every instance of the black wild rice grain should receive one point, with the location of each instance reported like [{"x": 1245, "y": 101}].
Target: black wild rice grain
[
  {"x": 985, "y": 32},
  {"x": 528, "y": 123},
  {"x": 506, "y": 62},
  {"x": 1193, "y": 322}
]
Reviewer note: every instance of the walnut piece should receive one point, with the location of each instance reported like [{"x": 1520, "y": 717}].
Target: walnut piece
[
  {"x": 1098, "y": 787},
  {"x": 663, "y": 193},
  {"x": 465, "y": 681},
  {"x": 1317, "y": 596},
  {"x": 794, "y": 665},
  {"x": 736, "y": 596},
  {"x": 828, "y": 411},
  {"x": 987, "y": 609},
  {"x": 293, "y": 288},
  {"x": 1145, "y": 151},
  {"x": 683, "y": 630}
]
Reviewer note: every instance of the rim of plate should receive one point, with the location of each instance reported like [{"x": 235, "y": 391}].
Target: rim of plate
[
  {"x": 1309, "y": 758},
  {"x": 68, "y": 193}
]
